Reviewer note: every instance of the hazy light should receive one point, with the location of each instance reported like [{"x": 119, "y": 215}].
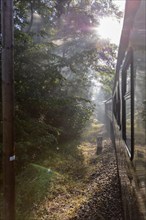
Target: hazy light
[
  {"x": 110, "y": 28},
  {"x": 120, "y": 4}
]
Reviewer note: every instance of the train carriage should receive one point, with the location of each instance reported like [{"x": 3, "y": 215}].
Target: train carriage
[{"x": 128, "y": 121}]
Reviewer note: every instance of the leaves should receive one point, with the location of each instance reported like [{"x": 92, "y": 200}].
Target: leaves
[{"x": 56, "y": 63}]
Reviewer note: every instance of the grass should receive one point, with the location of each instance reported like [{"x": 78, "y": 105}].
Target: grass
[
  {"x": 91, "y": 132},
  {"x": 31, "y": 188},
  {"x": 53, "y": 187},
  {"x": 58, "y": 173},
  {"x": 69, "y": 189}
]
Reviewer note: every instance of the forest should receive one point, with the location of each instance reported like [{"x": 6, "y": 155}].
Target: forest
[{"x": 63, "y": 71}]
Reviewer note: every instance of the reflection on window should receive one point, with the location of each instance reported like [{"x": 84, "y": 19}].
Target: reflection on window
[
  {"x": 140, "y": 106},
  {"x": 128, "y": 120},
  {"x": 128, "y": 106},
  {"x": 128, "y": 81},
  {"x": 128, "y": 109}
]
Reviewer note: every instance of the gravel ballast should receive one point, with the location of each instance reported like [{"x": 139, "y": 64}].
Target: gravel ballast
[
  {"x": 104, "y": 188},
  {"x": 93, "y": 196}
]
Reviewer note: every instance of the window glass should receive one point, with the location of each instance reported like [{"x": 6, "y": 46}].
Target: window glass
[
  {"x": 128, "y": 81},
  {"x": 128, "y": 106},
  {"x": 128, "y": 121}
]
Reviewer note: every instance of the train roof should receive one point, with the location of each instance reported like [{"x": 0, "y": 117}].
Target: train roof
[{"x": 131, "y": 8}]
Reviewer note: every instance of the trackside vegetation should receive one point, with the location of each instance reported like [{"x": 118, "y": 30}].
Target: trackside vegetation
[{"x": 58, "y": 60}]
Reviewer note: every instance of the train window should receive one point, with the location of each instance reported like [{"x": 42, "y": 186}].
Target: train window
[
  {"x": 128, "y": 104},
  {"x": 116, "y": 105}
]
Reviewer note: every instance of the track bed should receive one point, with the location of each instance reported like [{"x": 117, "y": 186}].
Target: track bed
[{"x": 104, "y": 186}]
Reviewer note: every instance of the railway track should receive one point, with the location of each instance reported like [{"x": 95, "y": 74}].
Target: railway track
[{"x": 105, "y": 200}]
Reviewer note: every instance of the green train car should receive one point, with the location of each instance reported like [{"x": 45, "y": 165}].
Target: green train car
[{"x": 126, "y": 111}]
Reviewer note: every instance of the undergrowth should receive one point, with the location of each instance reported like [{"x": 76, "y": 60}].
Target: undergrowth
[
  {"x": 57, "y": 172},
  {"x": 57, "y": 178}
]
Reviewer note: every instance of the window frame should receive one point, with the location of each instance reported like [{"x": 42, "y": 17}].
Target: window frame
[{"x": 126, "y": 95}]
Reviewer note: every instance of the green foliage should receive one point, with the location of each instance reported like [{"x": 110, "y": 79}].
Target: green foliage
[
  {"x": 52, "y": 175},
  {"x": 53, "y": 83},
  {"x": 36, "y": 179},
  {"x": 144, "y": 112},
  {"x": 45, "y": 112},
  {"x": 53, "y": 89}
]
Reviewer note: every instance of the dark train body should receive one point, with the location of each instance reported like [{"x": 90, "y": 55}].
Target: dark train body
[{"x": 126, "y": 111}]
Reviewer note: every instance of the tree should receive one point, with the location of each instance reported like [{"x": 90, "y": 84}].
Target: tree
[{"x": 57, "y": 56}]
